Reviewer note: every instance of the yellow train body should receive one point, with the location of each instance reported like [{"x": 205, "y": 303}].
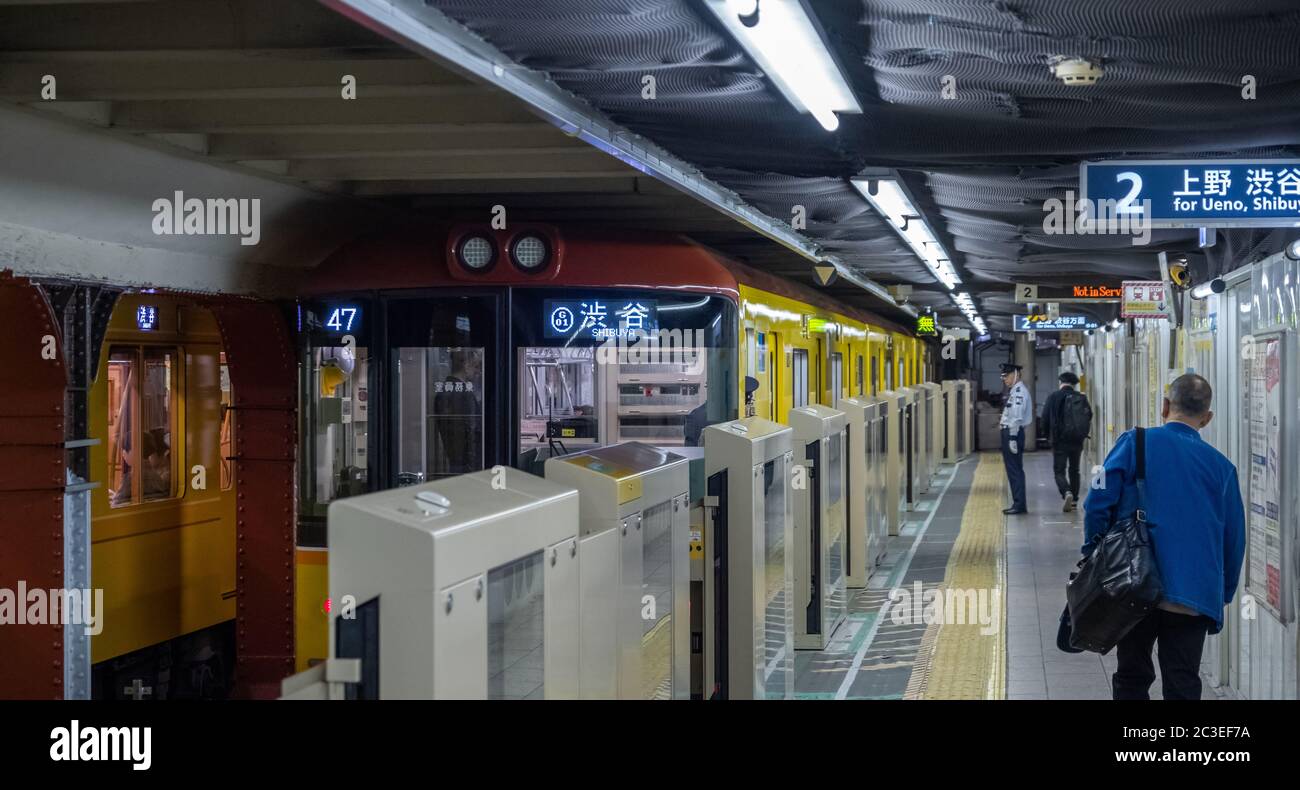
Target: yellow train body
[
  {"x": 778, "y": 334},
  {"x": 165, "y": 558}
]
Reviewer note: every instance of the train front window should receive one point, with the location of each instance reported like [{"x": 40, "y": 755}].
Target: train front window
[
  {"x": 439, "y": 412},
  {"x": 442, "y": 355},
  {"x": 140, "y": 462},
  {"x": 615, "y": 366},
  {"x": 558, "y": 408}
]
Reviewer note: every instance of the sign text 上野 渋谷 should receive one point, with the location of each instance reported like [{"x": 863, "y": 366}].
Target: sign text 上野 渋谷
[{"x": 1194, "y": 193}]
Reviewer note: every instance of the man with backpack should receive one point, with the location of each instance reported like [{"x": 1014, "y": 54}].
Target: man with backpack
[{"x": 1068, "y": 420}]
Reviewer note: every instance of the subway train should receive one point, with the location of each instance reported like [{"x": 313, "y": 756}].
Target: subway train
[
  {"x": 417, "y": 358},
  {"x": 425, "y": 356}
]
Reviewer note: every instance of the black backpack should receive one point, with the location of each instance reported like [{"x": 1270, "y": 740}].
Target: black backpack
[{"x": 1075, "y": 419}]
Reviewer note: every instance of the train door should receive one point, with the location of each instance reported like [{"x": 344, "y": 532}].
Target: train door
[
  {"x": 837, "y": 378},
  {"x": 447, "y": 375},
  {"x": 875, "y": 375},
  {"x": 818, "y": 394},
  {"x": 799, "y": 378},
  {"x": 772, "y": 349},
  {"x": 335, "y": 381},
  {"x": 858, "y": 374}
]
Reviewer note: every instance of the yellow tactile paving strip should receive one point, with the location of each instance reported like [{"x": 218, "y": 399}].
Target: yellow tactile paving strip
[
  {"x": 959, "y": 662},
  {"x": 657, "y": 660}
]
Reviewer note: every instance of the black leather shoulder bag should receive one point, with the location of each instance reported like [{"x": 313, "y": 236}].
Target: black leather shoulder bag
[{"x": 1117, "y": 583}]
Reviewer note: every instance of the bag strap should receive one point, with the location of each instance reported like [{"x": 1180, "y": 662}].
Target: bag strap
[{"x": 1140, "y": 439}]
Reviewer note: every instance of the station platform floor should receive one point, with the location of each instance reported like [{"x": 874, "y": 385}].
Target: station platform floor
[{"x": 1006, "y": 576}]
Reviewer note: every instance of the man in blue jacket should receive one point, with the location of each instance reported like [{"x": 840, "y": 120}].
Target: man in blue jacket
[{"x": 1199, "y": 534}]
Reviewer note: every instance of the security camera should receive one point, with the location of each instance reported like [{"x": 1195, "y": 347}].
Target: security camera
[
  {"x": 1179, "y": 275},
  {"x": 901, "y": 293}
]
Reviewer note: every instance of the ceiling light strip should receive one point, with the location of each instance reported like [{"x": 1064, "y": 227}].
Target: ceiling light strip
[
  {"x": 782, "y": 38},
  {"x": 891, "y": 201}
]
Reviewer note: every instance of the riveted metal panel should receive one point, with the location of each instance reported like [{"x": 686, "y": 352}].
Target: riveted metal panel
[
  {"x": 264, "y": 385},
  {"x": 31, "y": 483}
]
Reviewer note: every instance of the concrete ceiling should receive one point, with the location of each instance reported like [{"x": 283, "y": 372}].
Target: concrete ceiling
[{"x": 257, "y": 88}]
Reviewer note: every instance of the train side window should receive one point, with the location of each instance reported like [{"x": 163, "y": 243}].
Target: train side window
[
  {"x": 121, "y": 382},
  {"x": 141, "y": 383},
  {"x": 875, "y": 375},
  {"x": 156, "y": 459},
  {"x": 227, "y": 428}
]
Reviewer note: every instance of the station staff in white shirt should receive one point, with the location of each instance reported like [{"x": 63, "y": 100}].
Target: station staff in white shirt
[{"x": 1016, "y": 414}]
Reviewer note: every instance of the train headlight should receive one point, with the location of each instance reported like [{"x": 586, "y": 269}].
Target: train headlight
[
  {"x": 476, "y": 253},
  {"x": 530, "y": 251}
]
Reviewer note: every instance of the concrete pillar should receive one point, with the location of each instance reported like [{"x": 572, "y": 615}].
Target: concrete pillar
[{"x": 1024, "y": 355}]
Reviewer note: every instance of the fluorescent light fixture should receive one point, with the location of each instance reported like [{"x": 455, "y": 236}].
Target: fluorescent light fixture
[
  {"x": 784, "y": 41},
  {"x": 966, "y": 304},
  {"x": 1215, "y": 286},
  {"x": 892, "y": 202}
]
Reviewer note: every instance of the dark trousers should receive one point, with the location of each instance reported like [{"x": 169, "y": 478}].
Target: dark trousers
[
  {"x": 1015, "y": 464},
  {"x": 1181, "y": 638},
  {"x": 1063, "y": 458}
]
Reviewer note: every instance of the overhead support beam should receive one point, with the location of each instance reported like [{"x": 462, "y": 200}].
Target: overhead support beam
[
  {"x": 228, "y": 54},
  {"x": 477, "y": 186},
  {"x": 526, "y": 140},
  {"x": 189, "y": 116},
  {"x": 15, "y": 92},
  {"x": 304, "y": 129},
  {"x": 427, "y": 30},
  {"x": 183, "y": 24},
  {"x": 161, "y": 76}
]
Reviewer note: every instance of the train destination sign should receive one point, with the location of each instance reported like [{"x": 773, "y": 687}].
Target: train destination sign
[
  {"x": 1029, "y": 293},
  {"x": 600, "y": 319},
  {"x": 1203, "y": 193},
  {"x": 1044, "y": 323}
]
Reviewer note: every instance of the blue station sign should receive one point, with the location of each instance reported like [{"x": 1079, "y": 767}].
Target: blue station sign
[
  {"x": 1194, "y": 193},
  {"x": 599, "y": 319},
  {"x": 1043, "y": 323}
]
